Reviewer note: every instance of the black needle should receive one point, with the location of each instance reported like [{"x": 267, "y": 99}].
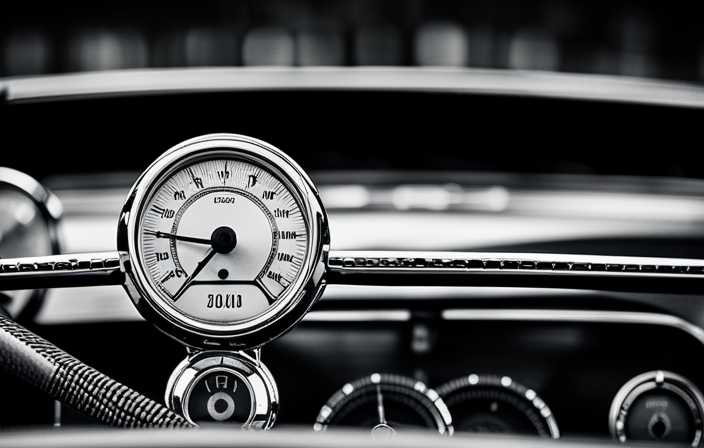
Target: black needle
[
  {"x": 189, "y": 239},
  {"x": 222, "y": 241},
  {"x": 208, "y": 256}
]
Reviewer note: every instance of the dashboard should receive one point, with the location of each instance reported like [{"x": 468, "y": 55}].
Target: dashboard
[{"x": 553, "y": 179}]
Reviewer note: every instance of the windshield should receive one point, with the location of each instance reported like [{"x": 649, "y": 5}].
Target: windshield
[
  {"x": 652, "y": 39},
  {"x": 395, "y": 108}
]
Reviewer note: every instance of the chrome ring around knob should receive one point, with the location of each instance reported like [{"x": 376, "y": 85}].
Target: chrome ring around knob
[{"x": 225, "y": 387}]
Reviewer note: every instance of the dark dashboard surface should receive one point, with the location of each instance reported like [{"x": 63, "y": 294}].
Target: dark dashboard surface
[
  {"x": 358, "y": 129},
  {"x": 576, "y": 367}
]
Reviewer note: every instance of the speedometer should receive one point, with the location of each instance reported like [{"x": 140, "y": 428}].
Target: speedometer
[
  {"x": 242, "y": 267},
  {"x": 227, "y": 242}
]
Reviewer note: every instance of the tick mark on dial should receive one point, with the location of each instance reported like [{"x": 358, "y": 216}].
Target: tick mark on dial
[{"x": 223, "y": 274}]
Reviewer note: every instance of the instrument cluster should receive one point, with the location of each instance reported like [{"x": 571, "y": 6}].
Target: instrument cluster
[{"x": 224, "y": 246}]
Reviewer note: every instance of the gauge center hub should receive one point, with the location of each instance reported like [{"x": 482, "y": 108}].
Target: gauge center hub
[{"x": 223, "y": 240}]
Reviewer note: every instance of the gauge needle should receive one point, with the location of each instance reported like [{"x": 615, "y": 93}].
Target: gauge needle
[
  {"x": 188, "y": 239},
  {"x": 208, "y": 256},
  {"x": 380, "y": 405},
  {"x": 382, "y": 431}
]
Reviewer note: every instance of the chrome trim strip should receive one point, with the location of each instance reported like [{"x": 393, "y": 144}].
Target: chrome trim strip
[
  {"x": 415, "y": 293},
  {"x": 619, "y": 317},
  {"x": 445, "y": 259},
  {"x": 499, "y": 82},
  {"x": 359, "y": 316},
  {"x": 610, "y": 273},
  {"x": 88, "y": 269}
]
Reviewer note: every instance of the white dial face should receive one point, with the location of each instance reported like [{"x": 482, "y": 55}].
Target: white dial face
[{"x": 221, "y": 241}]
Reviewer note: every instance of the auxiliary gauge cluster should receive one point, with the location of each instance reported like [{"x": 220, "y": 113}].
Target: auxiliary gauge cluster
[
  {"x": 654, "y": 406},
  {"x": 385, "y": 403}
]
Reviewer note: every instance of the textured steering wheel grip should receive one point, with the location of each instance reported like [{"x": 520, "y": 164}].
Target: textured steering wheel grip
[{"x": 63, "y": 377}]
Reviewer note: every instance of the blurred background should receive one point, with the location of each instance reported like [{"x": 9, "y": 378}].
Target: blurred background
[{"x": 647, "y": 38}]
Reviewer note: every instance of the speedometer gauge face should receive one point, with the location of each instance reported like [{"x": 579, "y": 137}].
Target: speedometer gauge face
[
  {"x": 222, "y": 240},
  {"x": 227, "y": 238}
]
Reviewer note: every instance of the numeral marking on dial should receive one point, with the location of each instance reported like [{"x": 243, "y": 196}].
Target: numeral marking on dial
[
  {"x": 224, "y": 301},
  {"x": 285, "y": 257},
  {"x": 279, "y": 213}
]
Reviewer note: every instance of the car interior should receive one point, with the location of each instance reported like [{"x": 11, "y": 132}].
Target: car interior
[{"x": 352, "y": 223}]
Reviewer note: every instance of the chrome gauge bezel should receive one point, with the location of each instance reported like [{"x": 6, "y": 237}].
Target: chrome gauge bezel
[
  {"x": 49, "y": 207},
  {"x": 656, "y": 380},
  {"x": 295, "y": 300}
]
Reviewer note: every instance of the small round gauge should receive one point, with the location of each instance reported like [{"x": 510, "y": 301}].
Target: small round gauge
[
  {"x": 497, "y": 404},
  {"x": 385, "y": 404},
  {"x": 224, "y": 387},
  {"x": 227, "y": 238},
  {"x": 29, "y": 215},
  {"x": 658, "y": 406}
]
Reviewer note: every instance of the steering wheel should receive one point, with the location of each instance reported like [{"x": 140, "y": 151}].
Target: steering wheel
[{"x": 223, "y": 244}]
